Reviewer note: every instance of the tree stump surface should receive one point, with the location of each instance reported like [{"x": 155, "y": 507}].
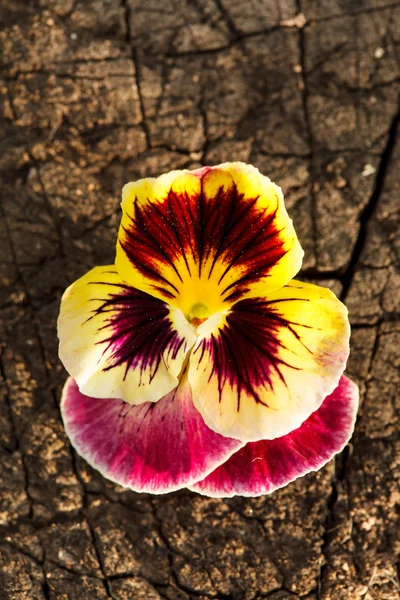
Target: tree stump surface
[{"x": 96, "y": 94}]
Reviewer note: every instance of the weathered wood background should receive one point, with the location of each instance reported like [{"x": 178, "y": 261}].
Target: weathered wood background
[{"x": 96, "y": 93}]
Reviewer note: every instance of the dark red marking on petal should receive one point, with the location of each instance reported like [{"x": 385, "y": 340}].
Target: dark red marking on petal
[
  {"x": 230, "y": 223},
  {"x": 252, "y": 242},
  {"x": 201, "y": 228},
  {"x": 264, "y": 466},
  {"x": 228, "y": 227},
  {"x": 152, "y": 447},
  {"x": 138, "y": 332},
  {"x": 245, "y": 353}
]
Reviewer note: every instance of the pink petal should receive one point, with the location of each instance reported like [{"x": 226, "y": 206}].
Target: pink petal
[
  {"x": 264, "y": 466},
  {"x": 152, "y": 447}
]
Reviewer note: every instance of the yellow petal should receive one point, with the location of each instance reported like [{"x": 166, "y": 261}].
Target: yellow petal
[
  {"x": 269, "y": 363},
  {"x": 119, "y": 342},
  {"x": 205, "y": 239}
]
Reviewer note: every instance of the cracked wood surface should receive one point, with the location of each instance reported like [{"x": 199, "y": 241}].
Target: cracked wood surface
[{"x": 96, "y": 93}]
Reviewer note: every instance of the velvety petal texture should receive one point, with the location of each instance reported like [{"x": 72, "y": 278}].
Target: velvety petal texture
[
  {"x": 258, "y": 371},
  {"x": 203, "y": 240},
  {"x": 119, "y": 342},
  {"x": 264, "y": 466},
  {"x": 197, "y": 360},
  {"x": 153, "y": 448}
]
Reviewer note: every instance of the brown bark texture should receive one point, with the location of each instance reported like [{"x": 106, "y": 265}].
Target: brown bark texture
[{"x": 96, "y": 93}]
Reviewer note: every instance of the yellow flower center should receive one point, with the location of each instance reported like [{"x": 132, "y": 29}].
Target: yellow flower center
[
  {"x": 201, "y": 296},
  {"x": 199, "y": 311}
]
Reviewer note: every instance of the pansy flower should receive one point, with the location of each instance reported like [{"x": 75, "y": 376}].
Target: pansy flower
[{"x": 196, "y": 360}]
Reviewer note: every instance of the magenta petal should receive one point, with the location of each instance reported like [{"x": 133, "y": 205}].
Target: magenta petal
[
  {"x": 264, "y": 466},
  {"x": 152, "y": 447}
]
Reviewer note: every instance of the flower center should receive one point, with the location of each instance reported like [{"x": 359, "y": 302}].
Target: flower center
[
  {"x": 203, "y": 320},
  {"x": 198, "y": 313},
  {"x": 199, "y": 297}
]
